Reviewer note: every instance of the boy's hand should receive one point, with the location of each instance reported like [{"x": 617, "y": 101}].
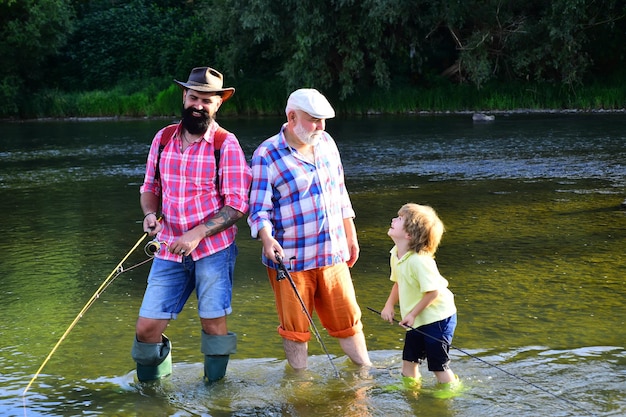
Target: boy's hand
[
  {"x": 387, "y": 314},
  {"x": 408, "y": 321}
]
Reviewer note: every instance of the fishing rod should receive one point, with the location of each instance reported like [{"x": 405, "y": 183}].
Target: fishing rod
[
  {"x": 114, "y": 274},
  {"x": 492, "y": 365},
  {"x": 284, "y": 273}
]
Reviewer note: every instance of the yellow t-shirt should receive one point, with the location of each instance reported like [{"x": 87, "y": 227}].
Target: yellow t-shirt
[{"x": 417, "y": 274}]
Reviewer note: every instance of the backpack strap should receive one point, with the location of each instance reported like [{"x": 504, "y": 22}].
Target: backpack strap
[
  {"x": 168, "y": 133},
  {"x": 166, "y": 136},
  {"x": 218, "y": 141}
]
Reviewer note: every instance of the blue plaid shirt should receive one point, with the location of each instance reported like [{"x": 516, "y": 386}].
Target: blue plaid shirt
[{"x": 304, "y": 204}]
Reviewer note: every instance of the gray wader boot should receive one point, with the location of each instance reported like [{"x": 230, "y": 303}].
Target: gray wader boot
[
  {"x": 217, "y": 350},
  {"x": 154, "y": 360}
]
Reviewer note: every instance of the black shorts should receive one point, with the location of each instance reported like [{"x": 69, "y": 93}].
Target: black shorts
[{"x": 431, "y": 342}]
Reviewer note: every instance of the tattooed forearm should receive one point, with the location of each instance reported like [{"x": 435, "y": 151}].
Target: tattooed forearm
[{"x": 223, "y": 219}]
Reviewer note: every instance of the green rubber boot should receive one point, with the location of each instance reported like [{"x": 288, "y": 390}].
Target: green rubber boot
[
  {"x": 217, "y": 350},
  {"x": 154, "y": 360},
  {"x": 407, "y": 383},
  {"x": 449, "y": 389}
]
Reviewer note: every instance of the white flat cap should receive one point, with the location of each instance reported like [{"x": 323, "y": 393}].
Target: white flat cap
[{"x": 310, "y": 101}]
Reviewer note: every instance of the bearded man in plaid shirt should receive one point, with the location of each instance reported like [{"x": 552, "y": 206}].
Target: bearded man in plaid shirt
[{"x": 201, "y": 194}]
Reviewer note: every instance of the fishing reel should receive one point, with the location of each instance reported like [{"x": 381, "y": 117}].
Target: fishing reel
[
  {"x": 281, "y": 275},
  {"x": 153, "y": 247},
  {"x": 282, "y": 271}
]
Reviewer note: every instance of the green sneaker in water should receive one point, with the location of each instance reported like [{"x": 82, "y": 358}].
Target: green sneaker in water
[
  {"x": 407, "y": 383},
  {"x": 448, "y": 389}
]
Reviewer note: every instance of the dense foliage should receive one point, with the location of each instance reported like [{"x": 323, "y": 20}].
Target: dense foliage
[{"x": 266, "y": 48}]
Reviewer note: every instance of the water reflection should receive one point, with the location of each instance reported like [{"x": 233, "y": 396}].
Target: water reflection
[
  {"x": 563, "y": 146},
  {"x": 266, "y": 387},
  {"x": 533, "y": 251}
]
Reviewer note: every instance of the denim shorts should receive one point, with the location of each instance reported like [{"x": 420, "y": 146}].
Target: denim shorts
[
  {"x": 432, "y": 342},
  {"x": 171, "y": 283}
]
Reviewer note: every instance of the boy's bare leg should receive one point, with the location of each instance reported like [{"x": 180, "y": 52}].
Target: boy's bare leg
[
  {"x": 443, "y": 377},
  {"x": 411, "y": 369}
]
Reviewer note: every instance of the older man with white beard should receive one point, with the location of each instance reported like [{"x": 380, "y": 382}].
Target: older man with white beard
[{"x": 301, "y": 211}]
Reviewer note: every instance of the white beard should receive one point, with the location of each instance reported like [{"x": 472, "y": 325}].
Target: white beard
[{"x": 306, "y": 137}]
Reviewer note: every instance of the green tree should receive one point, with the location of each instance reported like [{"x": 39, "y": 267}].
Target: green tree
[
  {"x": 349, "y": 46},
  {"x": 558, "y": 45},
  {"x": 534, "y": 41},
  {"x": 132, "y": 43},
  {"x": 30, "y": 32},
  {"x": 338, "y": 45},
  {"x": 346, "y": 48}
]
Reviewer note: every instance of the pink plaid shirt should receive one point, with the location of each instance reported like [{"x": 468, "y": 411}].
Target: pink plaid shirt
[{"x": 189, "y": 195}]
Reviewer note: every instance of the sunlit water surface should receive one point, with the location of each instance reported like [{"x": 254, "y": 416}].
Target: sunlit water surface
[{"x": 534, "y": 251}]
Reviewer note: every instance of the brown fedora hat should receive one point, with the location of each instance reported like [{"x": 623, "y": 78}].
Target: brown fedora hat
[{"x": 207, "y": 80}]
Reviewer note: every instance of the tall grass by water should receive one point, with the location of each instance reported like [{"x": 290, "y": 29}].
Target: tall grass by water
[{"x": 268, "y": 98}]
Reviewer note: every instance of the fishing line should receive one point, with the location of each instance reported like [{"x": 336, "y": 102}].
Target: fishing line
[
  {"x": 284, "y": 273},
  {"x": 492, "y": 365},
  {"x": 119, "y": 269}
]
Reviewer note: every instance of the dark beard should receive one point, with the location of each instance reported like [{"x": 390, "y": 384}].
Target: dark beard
[{"x": 196, "y": 125}]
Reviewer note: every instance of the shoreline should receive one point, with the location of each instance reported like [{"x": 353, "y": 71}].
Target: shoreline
[{"x": 370, "y": 113}]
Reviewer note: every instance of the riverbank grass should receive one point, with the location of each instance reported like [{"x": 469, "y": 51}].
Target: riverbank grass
[{"x": 269, "y": 99}]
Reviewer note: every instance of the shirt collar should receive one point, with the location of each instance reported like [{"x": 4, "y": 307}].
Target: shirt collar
[
  {"x": 282, "y": 140},
  {"x": 394, "y": 252}
]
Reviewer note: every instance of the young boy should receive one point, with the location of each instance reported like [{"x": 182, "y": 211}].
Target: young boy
[{"x": 426, "y": 304}]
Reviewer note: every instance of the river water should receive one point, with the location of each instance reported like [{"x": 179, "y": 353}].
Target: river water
[{"x": 533, "y": 250}]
